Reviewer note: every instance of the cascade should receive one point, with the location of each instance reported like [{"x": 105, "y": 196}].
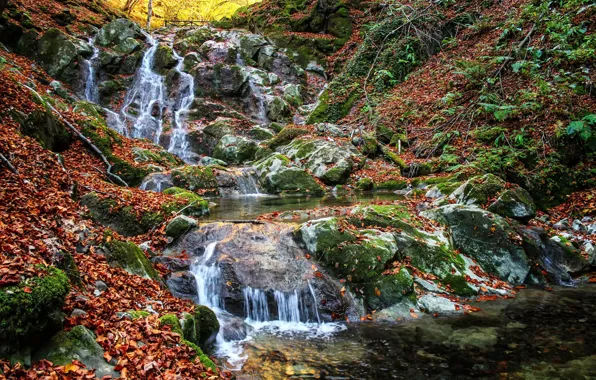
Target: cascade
[
  {"x": 178, "y": 142},
  {"x": 147, "y": 94},
  {"x": 292, "y": 307},
  {"x": 208, "y": 276},
  {"x": 91, "y": 82},
  {"x": 247, "y": 182}
]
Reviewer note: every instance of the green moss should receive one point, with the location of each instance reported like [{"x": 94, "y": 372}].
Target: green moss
[
  {"x": 202, "y": 357},
  {"x": 392, "y": 184},
  {"x": 388, "y": 290},
  {"x": 160, "y": 157},
  {"x": 195, "y": 178},
  {"x": 365, "y": 184},
  {"x": 191, "y": 203},
  {"x": 286, "y": 136},
  {"x": 32, "y": 310},
  {"x": 458, "y": 285},
  {"x": 172, "y": 321},
  {"x": 207, "y": 323},
  {"x": 130, "y": 257},
  {"x": 396, "y": 216},
  {"x": 136, "y": 314}
]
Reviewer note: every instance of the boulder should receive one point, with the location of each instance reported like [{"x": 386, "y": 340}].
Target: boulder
[
  {"x": 479, "y": 190},
  {"x": 293, "y": 95},
  {"x": 58, "y": 54},
  {"x": 187, "y": 203},
  {"x": 250, "y": 44},
  {"x": 396, "y": 216},
  {"x": 320, "y": 235},
  {"x": 46, "y": 128},
  {"x": 183, "y": 285},
  {"x": 235, "y": 149},
  {"x": 514, "y": 203},
  {"x": 485, "y": 237},
  {"x": 194, "y": 178},
  {"x": 179, "y": 226},
  {"x": 388, "y": 290},
  {"x": 276, "y": 108},
  {"x": 164, "y": 59},
  {"x": 118, "y": 31},
  {"x": 219, "y": 80},
  {"x": 329, "y": 161},
  {"x": 131, "y": 258},
  {"x": 77, "y": 344},
  {"x": 276, "y": 176}
]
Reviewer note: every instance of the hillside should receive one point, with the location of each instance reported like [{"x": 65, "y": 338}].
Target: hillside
[{"x": 169, "y": 199}]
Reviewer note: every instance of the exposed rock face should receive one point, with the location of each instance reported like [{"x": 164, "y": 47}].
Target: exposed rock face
[
  {"x": 183, "y": 285},
  {"x": 235, "y": 149},
  {"x": 487, "y": 238},
  {"x": 118, "y": 31},
  {"x": 58, "y": 55},
  {"x": 76, "y": 344}
]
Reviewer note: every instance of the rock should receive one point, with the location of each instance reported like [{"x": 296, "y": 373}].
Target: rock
[
  {"x": 193, "y": 205},
  {"x": 562, "y": 225},
  {"x": 314, "y": 67},
  {"x": 157, "y": 182},
  {"x": 293, "y": 95},
  {"x": 485, "y": 237},
  {"x": 207, "y": 161},
  {"x": 179, "y": 226},
  {"x": 45, "y": 127},
  {"x": 118, "y": 31},
  {"x": 191, "y": 60},
  {"x": 183, "y": 285},
  {"x": 131, "y": 258},
  {"x": 127, "y": 46},
  {"x": 514, "y": 203},
  {"x": 101, "y": 286},
  {"x": 77, "y": 313},
  {"x": 174, "y": 264},
  {"x": 57, "y": 54},
  {"x": 388, "y": 290},
  {"x": 122, "y": 220},
  {"x": 325, "y": 129},
  {"x": 215, "y": 51},
  {"x": 219, "y": 79},
  {"x": 29, "y": 317},
  {"x": 164, "y": 59},
  {"x": 276, "y": 176},
  {"x": 195, "y": 178},
  {"x": 276, "y": 108},
  {"x": 260, "y": 134},
  {"x": 396, "y": 216},
  {"x": 250, "y": 44},
  {"x": 235, "y": 149},
  {"x": 328, "y": 161},
  {"x": 76, "y": 344},
  {"x": 557, "y": 258},
  {"x": 323, "y": 234},
  {"x": 478, "y": 190},
  {"x": 578, "y": 226},
  {"x": 434, "y": 304}
]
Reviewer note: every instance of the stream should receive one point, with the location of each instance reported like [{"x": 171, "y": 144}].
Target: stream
[{"x": 267, "y": 293}]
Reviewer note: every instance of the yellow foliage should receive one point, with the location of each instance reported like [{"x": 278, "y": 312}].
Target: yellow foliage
[{"x": 207, "y": 10}]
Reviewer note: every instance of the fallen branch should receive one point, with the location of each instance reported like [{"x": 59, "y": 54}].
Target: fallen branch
[
  {"x": 84, "y": 139},
  {"x": 185, "y": 207},
  {"x": 9, "y": 164}
]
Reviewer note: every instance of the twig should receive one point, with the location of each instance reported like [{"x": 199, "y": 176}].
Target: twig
[
  {"x": 9, "y": 164},
  {"x": 84, "y": 139},
  {"x": 185, "y": 207}
]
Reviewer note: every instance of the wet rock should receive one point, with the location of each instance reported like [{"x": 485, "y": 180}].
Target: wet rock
[
  {"x": 117, "y": 32},
  {"x": 514, "y": 203},
  {"x": 486, "y": 237},
  {"x": 234, "y": 328},
  {"x": 219, "y": 80},
  {"x": 434, "y": 304},
  {"x": 164, "y": 59},
  {"x": 77, "y": 344},
  {"x": 474, "y": 337},
  {"x": 183, "y": 285}
]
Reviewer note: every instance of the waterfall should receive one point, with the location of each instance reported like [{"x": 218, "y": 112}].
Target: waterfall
[
  {"x": 208, "y": 276},
  {"x": 91, "y": 82},
  {"x": 292, "y": 307},
  {"x": 147, "y": 93},
  {"x": 255, "y": 304},
  {"x": 157, "y": 182},
  {"x": 247, "y": 182},
  {"x": 178, "y": 142}
]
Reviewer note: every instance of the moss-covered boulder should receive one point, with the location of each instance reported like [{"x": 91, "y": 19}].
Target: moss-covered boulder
[
  {"x": 387, "y": 290},
  {"x": 277, "y": 176},
  {"x": 121, "y": 219},
  {"x": 195, "y": 178},
  {"x": 179, "y": 226},
  {"x": 207, "y": 324},
  {"x": 131, "y": 258},
  {"x": 479, "y": 190},
  {"x": 117, "y": 32},
  {"x": 157, "y": 156},
  {"x": 321, "y": 235},
  {"x": 365, "y": 184},
  {"x": 219, "y": 80},
  {"x": 293, "y": 95},
  {"x": 514, "y": 203},
  {"x": 286, "y": 136},
  {"x": 32, "y": 310},
  {"x": 235, "y": 149},
  {"x": 187, "y": 202},
  {"x": 485, "y": 237},
  {"x": 45, "y": 127},
  {"x": 277, "y": 108},
  {"x": 395, "y": 216},
  {"x": 331, "y": 162},
  {"x": 391, "y": 185},
  {"x": 57, "y": 54},
  {"x": 164, "y": 59},
  {"x": 77, "y": 344},
  {"x": 260, "y": 134}
]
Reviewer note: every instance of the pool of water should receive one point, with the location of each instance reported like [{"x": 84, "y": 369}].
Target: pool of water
[
  {"x": 537, "y": 335},
  {"x": 250, "y": 207}
]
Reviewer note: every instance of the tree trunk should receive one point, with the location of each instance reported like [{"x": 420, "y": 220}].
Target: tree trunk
[{"x": 149, "y": 12}]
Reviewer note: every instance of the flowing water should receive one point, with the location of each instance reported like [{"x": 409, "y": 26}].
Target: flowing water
[
  {"x": 91, "y": 80},
  {"x": 186, "y": 95}
]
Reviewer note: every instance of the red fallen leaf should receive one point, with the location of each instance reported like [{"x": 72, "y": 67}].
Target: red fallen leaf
[
  {"x": 27, "y": 289},
  {"x": 592, "y": 280},
  {"x": 413, "y": 314}
]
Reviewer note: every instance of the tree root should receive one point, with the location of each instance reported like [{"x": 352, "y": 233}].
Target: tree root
[{"x": 8, "y": 164}]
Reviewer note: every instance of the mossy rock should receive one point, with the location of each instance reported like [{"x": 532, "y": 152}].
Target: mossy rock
[
  {"x": 77, "y": 344},
  {"x": 417, "y": 169},
  {"x": 131, "y": 258},
  {"x": 322, "y": 235},
  {"x": 46, "y": 128},
  {"x": 365, "y": 184},
  {"x": 458, "y": 285},
  {"x": 122, "y": 220},
  {"x": 286, "y": 136},
  {"x": 383, "y": 216},
  {"x": 190, "y": 203},
  {"x": 235, "y": 149},
  {"x": 136, "y": 314},
  {"x": 388, "y": 290},
  {"x": 179, "y": 226},
  {"x": 370, "y": 146},
  {"x": 164, "y": 59},
  {"x": 207, "y": 324},
  {"x": 291, "y": 180},
  {"x": 159, "y": 157},
  {"x": 32, "y": 310},
  {"x": 57, "y": 54},
  {"x": 514, "y": 203},
  {"x": 172, "y": 321},
  {"x": 393, "y": 157},
  {"x": 478, "y": 190},
  {"x": 260, "y": 134},
  {"x": 195, "y": 178},
  {"x": 392, "y": 184}
]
